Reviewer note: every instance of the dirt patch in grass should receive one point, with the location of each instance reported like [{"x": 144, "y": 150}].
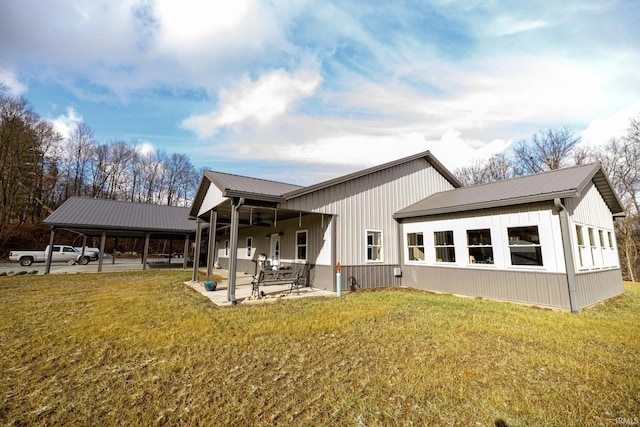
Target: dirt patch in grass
[{"x": 141, "y": 348}]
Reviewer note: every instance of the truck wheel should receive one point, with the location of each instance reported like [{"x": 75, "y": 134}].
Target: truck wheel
[
  {"x": 85, "y": 260},
  {"x": 26, "y": 261}
]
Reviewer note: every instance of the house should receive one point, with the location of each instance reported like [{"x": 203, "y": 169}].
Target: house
[
  {"x": 347, "y": 220},
  {"x": 544, "y": 239}
]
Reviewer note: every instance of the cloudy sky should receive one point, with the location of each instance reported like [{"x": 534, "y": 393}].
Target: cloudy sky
[{"x": 301, "y": 91}]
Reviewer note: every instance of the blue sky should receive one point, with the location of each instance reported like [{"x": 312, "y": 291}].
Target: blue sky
[{"x": 301, "y": 91}]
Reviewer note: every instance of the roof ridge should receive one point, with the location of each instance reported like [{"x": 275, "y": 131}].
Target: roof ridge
[{"x": 528, "y": 176}]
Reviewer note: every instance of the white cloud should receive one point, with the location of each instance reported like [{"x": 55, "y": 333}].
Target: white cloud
[
  {"x": 9, "y": 78},
  {"x": 261, "y": 101},
  {"x": 601, "y": 130},
  {"x": 65, "y": 123},
  {"x": 145, "y": 148}
]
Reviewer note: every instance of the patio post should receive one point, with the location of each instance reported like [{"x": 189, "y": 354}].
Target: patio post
[
  {"x": 145, "y": 251},
  {"x": 233, "y": 255},
  {"x": 196, "y": 250},
  {"x": 185, "y": 254},
  {"x": 213, "y": 224}
]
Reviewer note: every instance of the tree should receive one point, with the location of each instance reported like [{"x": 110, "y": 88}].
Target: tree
[
  {"x": 496, "y": 168},
  {"x": 547, "y": 150}
]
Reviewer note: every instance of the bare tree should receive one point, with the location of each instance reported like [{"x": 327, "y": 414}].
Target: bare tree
[
  {"x": 79, "y": 153},
  {"x": 547, "y": 150},
  {"x": 496, "y": 168}
]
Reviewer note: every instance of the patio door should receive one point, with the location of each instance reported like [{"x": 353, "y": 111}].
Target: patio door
[{"x": 274, "y": 249}]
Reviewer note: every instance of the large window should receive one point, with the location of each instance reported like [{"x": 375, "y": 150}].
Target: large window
[
  {"x": 249, "y": 246},
  {"x": 445, "y": 250},
  {"x": 374, "y": 245},
  {"x": 415, "y": 243},
  {"x": 301, "y": 245},
  {"x": 479, "y": 245},
  {"x": 592, "y": 245},
  {"x": 524, "y": 244}
]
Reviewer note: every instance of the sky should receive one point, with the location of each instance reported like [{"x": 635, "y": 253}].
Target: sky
[{"x": 302, "y": 91}]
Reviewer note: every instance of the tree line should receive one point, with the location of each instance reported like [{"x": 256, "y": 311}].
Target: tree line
[
  {"x": 559, "y": 148},
  {"x": 40, "y": 169}
]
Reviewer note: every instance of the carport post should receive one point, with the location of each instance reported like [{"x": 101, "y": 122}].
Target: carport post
[
  {"x": 101, "y": 255},
  {"x": 213, "y": 224},
  {"x": 52, "y": 238},
  {"x": 145, "y": 251},
  {"x": 185, "y": 254},
  {"x": 233, "y": 254},
  {"x": 196, "y": 250}
]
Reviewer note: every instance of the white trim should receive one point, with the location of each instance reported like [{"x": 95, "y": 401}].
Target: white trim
[
  {"x": 366, "y": 246},
  {"x": 306, "y": 245}
]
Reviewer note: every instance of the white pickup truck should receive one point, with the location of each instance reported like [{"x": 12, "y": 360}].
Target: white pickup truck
[{"x": 60, "y": 253}]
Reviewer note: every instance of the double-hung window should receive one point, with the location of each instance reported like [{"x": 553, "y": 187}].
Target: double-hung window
[
  {"x": 479, "y": 245},
  {"x": 593, "y": 247},
  {"x": 524, "y": 245},
  {"x": 581, "y": 247},
  {"x": 415, "y": 243},
  {"x": 301, "y": 245},
  {"x": 374, "y": 245},
  {"x": 445, "y": 250}
]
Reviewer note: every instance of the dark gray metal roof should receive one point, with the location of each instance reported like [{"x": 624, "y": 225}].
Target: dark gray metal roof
[
  {"x": 562, "y": 183},
  {"x": 134, "y": 219},
  {"x": 244, "y": 184},
  {"x": 425, "y": 154}
]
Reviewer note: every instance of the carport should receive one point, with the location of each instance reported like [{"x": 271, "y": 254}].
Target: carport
[{"x": 112, "y": 218}]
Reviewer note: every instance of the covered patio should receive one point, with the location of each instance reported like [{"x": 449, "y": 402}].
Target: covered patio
[{"x": 243, "y": 291}]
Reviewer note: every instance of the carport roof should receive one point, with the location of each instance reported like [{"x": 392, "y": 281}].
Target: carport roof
[{"x": 128, "y": 219}]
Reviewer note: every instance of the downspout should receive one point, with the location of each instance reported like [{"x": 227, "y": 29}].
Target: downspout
[
  {"x": 567, "y": 246},
  {"x": 233, "y": 256}
]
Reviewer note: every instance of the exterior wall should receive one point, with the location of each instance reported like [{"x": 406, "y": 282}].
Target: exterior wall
[
  {"x": 368, "y": 203},
  {"x": 538, "y": 288},
  {"x": 497, "y": 220},
  {"x": 368, "y": 276},
  {"x": 597, "y": 286},
  {"x": 598, "y": 267},
  {"x": 544, "y": 285}
]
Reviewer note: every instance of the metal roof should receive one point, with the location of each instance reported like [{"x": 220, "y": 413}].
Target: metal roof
[
  {"x": 562, "y": 183},
  {"x": 243, "y": 184},
  {"x": 425, "y": 154},
  {"x": 133, "y": 219}
]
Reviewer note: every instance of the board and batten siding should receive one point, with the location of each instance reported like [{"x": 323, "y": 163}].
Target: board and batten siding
[
  {"x": 597, "y": 286},
  {"x": 590, "y": 209},
  {"x": 498, "y": 220},
  {"x": 368, "y": 203}
]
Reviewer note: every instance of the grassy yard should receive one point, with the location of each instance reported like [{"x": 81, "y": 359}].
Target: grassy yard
[{"x": 143, "y": 349}]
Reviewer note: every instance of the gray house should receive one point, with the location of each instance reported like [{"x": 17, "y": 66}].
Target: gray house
[
  {"x": 347, "y": 220},
  {"x": 545, "y": 239}
]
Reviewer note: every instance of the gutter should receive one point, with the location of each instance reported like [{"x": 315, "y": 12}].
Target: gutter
[{"x": 565, "y": 231}]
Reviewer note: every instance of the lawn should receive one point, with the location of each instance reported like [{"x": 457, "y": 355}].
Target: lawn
[{"x": 143, "y": 349}]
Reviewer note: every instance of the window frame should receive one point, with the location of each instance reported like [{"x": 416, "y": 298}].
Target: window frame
[
  {"x": 412, "y": 247},
  {"x": 380, "y": 246},
  {"x": 580, "y": 243},
  {"x": 305, "y": 245},
  {"x": 537, "y": 246},
  {"x": 446, "y": 246},
  {"x": 481, "y": 246}
]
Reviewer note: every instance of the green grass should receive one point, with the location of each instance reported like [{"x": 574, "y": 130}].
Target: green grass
[{"x": 143, "y": 349}]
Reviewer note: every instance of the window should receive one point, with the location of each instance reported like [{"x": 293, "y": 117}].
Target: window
[
  {"x": 443, "y": 242},
  {"x": 603, "y": 245},
  {"x": 610, "y": 239},
  {"x": 249, "y": 246},
  {"x": 581, "y": 247},
  {"x": 301, "y": 245},
  {"x": 374, "y": 245},
  {"x": 415, "y": 243},
  {"x": 479, "y": 244},
  {"x": 524, "y": 244},
  {"x": 226, "y": 248},
  {"x": 592, "y": 245}
]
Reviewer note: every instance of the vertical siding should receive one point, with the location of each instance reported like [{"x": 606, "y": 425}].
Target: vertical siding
[
  {"x": 537, "y": 288},
  {"x": 212, "y": 198},
  {"x": 368, "y": 277},
  {"x": 597, "y": 286},
  {"x": 369, "y": 202},
  {"x": 590, "y": 209}
]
